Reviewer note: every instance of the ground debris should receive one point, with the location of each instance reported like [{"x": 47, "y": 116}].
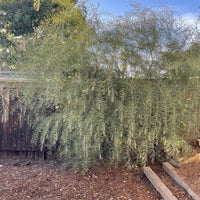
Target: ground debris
[
  {"x": 22, "y": 163},
  {"x": 47, "y": 181}
]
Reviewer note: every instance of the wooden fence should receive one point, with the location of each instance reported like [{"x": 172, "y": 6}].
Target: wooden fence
[{"x": 15, "y": 137}]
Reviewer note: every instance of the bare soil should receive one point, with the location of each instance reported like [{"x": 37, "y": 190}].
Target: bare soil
[
  {"x": 48, "y": 181},
  {"x": 176, "y": 190},
  {"x": 189, "y": 171}
]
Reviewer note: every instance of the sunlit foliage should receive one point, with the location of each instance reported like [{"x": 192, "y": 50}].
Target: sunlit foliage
[{"x": 127, "y": 91}]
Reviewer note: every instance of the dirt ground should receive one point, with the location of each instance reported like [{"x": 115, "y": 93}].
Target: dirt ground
[
  {"x": 47, "y": 181},
  {"x": 189, "y": 171},
  {"x": 176, "y": 190}
]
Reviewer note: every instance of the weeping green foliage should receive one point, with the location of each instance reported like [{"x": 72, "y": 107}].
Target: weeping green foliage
[
  {"x": 124, "y": 95},
  {"x": 4, "y": 104}
]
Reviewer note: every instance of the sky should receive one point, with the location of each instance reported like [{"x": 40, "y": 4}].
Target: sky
[{"x": 189, "y": 8}]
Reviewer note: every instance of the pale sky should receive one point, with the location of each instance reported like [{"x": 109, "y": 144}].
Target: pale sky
[{"x": 120, "y": 7}]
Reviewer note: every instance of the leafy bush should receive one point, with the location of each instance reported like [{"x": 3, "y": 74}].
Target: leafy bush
[{"x": 122, "y": 93}]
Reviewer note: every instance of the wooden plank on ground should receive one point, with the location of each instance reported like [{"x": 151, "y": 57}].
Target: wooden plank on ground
[
  {"x": 198, "y": 141},
  {"x": 158, "y": 184},
  {"x": 171, "y": 171}
]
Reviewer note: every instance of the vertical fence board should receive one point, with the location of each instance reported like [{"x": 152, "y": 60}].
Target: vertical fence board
[{"x": 15, "y": 137}]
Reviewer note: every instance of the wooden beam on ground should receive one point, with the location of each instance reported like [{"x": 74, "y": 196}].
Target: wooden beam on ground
[
  {"x": 158, "y": 184},
  {"x": 171, "y": 171},
  {"x": 198, "y": 141}
]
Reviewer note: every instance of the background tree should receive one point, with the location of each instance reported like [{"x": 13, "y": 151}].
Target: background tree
[{"x": 20, "y": 17}]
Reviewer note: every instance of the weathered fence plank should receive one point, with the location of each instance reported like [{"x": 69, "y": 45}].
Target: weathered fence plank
[{"x": 15, "y": 137}]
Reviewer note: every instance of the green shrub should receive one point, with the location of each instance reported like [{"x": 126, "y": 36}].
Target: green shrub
[{"x": 123, "y": 94}]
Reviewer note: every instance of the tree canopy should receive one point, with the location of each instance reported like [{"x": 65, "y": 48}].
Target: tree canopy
[
  {"x": 20, "y": 17},
  {"x": 123, "y": 91}
]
